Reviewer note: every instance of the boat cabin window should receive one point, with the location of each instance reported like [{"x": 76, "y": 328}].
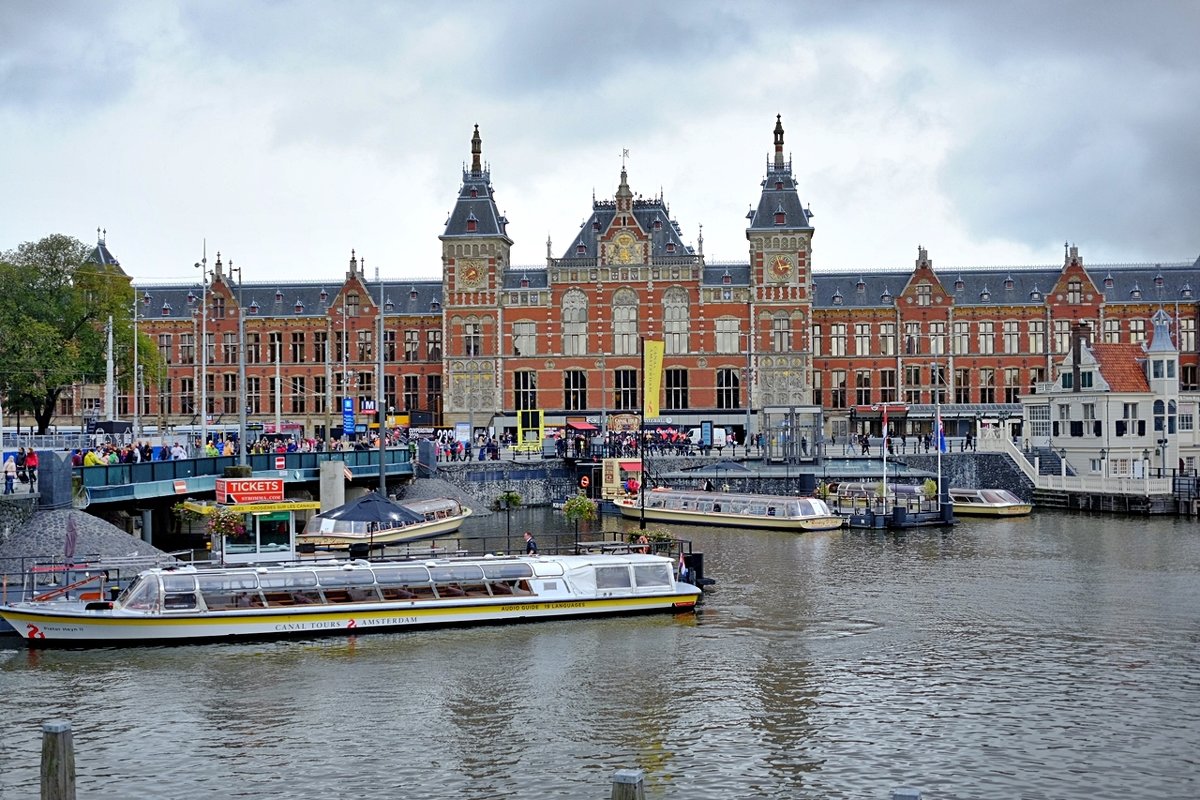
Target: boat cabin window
[
  {"x": 457, "y": 573},
  {"x": 652, "y": 574},
  {"x": 179, "y": 592},
  {"x": 288, "y": 580},
  {"x": 142, "y": 594},
  {"x": 401, "y": 576},
  {"x": 347, "y": 577},
  {"x": 229, "y": 590},
  {"x": 612, "y": 577},
  {"x": 507, "y": 571}
]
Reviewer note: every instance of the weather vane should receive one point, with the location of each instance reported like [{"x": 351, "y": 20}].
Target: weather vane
[{"x": 624, "y": 155}]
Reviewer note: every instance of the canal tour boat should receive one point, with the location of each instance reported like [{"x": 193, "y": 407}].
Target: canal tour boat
[
  {"x": 424, "y": 519},
  {"x": 731, "y": 510},
  {"x": 184, "y": 603},
  {"x": 988, "y": 503}
]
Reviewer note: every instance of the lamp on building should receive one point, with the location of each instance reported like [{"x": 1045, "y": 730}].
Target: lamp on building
[{"x": 1062, "y": 460}]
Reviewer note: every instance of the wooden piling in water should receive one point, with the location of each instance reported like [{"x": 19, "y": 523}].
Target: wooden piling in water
[
  {"x": 628, "y": 784},
  {"x": 58, "y": 761}
]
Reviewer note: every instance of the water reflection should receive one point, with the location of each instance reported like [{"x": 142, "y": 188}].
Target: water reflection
[{"x": 1037, "y": 657}]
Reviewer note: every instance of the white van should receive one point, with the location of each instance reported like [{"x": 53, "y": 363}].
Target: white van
[{"x": 719, "y": 437}]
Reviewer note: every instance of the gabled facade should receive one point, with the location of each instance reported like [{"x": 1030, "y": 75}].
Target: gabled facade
[{"x": 487, "y": 339}]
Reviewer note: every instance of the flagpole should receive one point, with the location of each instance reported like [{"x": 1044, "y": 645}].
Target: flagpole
[
  {"x": 883, "y": 449},
  {"x": 642, "y": 439},
  {"x": 941, "y": 437}
]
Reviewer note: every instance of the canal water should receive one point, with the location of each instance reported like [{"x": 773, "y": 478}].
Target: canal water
[{"x": 1047, "y": 657}]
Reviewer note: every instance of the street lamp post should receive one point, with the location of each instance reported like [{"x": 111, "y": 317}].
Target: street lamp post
[
  {"x": 202, "y": 265},
  {"x": 379, "y": 404},
  {"x": 241, "y": 346},
  {"x": 137, "y": 370}
]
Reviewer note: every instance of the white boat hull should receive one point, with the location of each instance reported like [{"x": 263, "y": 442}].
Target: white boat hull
[
  {"x": 49, "y": 628},
  {"x": 977, "y": 510},
  {"x": 632, "y": 509},
  {"x": 408, "y": 533}
]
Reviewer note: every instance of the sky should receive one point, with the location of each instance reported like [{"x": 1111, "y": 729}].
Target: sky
[{"x": 284, "y": 134}]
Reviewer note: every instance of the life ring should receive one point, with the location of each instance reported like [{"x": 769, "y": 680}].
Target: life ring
[{"x": 584, "y": 481}]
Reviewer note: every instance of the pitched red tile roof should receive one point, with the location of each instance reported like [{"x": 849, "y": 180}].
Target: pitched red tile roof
[{"x": 1121, "y": 366}]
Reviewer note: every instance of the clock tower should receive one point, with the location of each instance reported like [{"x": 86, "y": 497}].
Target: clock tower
[
  {"x": 475, "y": 255},
  {"x": 780, "y": 236}
]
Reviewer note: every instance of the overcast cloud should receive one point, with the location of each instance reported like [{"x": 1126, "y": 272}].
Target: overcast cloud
[{"x": 287, "y": 133}]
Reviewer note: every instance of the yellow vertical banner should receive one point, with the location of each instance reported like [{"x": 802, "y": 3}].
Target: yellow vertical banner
[{"x": 653, "y": 365}]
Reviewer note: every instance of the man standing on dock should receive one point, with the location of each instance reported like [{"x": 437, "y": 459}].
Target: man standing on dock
[{"x": 530, "y": 544}]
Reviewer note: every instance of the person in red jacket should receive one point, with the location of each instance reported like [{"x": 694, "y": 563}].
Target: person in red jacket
[{"x": 31, "y": 467}]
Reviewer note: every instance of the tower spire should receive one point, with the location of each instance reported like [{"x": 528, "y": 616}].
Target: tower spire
[
  {"x": 779, "y": 141},
  {"x": 476, "y": 152}
]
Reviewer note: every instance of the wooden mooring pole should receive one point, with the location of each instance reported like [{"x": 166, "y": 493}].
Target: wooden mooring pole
[
  {"x": 58, "y": 761},
  {"x": 628, "y": 784}
]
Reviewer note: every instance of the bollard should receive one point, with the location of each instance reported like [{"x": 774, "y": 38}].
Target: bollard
[
  {"x": 628, "y": 784},
  {"x": 58, "y": 761},
  {"x": 906, "y": 793}
]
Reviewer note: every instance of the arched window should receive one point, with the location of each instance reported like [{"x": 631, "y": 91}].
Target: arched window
[
  {"x": 781, "y": 333},
  {"x": 625, "y": 323},
  {"x": 729, "y": 389},
  {"x": 676, "y": 319},
  {"x": 574, "y": 322},
  {"x": 525, "y": 390}
]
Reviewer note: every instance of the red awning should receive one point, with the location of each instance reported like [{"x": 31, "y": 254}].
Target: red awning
[
  {"x": 631, "y": 466},
  {"x": 582, "y": 426}
]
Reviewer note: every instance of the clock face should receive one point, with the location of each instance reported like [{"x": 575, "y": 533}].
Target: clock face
[
  {"x": 470, "y": 273},
  {"x": 781, "y": 266}
]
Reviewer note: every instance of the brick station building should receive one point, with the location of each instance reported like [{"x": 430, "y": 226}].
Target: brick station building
[{"x": 773, "y": 343}]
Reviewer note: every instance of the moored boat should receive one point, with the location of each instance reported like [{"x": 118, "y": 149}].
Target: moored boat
[
  {"x": 988, "y": 503},
  {"x": 184, "y": 603},
  {"x": 731, "y": 510},
  {"x": 425, "y": 519}
]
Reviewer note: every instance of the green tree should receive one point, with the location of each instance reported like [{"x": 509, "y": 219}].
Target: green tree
[{"x": 53, "y": 312}]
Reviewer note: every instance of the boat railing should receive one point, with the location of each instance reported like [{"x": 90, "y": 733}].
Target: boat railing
[{"x": 25, "y": 577}]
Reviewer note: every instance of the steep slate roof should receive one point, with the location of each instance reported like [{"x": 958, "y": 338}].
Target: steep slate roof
[
  {"x": 177, "y": 301},
  {"x": 476, "y": 201},
  {"x": 1010, "y": 285},
  {"x": 536, "y": 276},
  {"x": 1120, "y": 366},
  {"x": 102, "y": 256},
  {"x": 779, "y": 194},
  {"x": 653, "y": 216}
]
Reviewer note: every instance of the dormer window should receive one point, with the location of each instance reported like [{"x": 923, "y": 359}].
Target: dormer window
[
  {"x": 145, "y": 298},
  {"x": 524, "y": 282},
  {"x": 472, "y": 224},
  {"x": 435, "y": 305},
  {"x": 1135, "y": 293},
  {"x": 1186, "y": 291},
  {"x": 1035, "y": 295},
  {"x": 779, "y": 186},
  {"x": 474, "y": 193},
  {"x": 837, "y": 297},
  {"x": 299, "y": 306},
  {"x": 670, "y": 247},
  {"x": 1008, "y": 282},
  {"x": 726, "y": 278},
  {"x": 780, "y": 217},
  {"x": 861, "y": 286},
  {"x": 581, "y": 249},
  {"x": 324, "y": 295},
  {"x": 985, "y": 295},
  {"x": 886, "y": 297},
  {"x": 191, "y": 298},
  {"x": 166, "y": 309},
  {"x": 658, "y": 224},
  {"x": 412, "y": 293},
  {"x": 959, "y": 285},
  {"x": 254, "y": 307},
  {"x": 1158, "y": 281},
  {"x": 388, "y": 305},
  {"x": 596, "y": 226},
  {"x": 1108, "y": 281},
  {"x": 278, "y": 296}
]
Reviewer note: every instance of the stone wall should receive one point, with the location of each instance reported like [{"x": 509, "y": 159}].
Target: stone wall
[{"x": 15, "y": 512}]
